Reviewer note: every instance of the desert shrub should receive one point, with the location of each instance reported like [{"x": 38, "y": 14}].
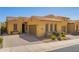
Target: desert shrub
[
  {"x": 63, "y": 36},
  {"x": 58, "y": 36},
  {"x": 19, "y": 32},
  {"x": 53, "y": 37},
  {"x": 1, "y": 40},
  {"x": 11, "y": 32}
]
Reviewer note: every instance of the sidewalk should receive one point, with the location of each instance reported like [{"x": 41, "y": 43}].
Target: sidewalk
[{"x": 42, "y": 47}]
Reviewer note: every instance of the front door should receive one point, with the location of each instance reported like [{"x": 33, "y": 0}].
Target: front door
[{"x": 23, "y": 28}]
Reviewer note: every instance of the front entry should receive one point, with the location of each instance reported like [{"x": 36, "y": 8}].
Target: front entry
[{"x": 24, "y": 27}]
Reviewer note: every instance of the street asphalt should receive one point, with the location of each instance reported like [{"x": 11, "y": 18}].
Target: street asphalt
[{"x": 74, "y": 48}]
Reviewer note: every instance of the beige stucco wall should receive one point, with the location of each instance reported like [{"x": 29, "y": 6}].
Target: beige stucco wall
[
  {"x": 41, "y": 25},
  {"x": 10, "y": 24}
]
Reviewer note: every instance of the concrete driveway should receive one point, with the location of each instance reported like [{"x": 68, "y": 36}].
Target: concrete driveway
[{"x": 19, "y": 40}]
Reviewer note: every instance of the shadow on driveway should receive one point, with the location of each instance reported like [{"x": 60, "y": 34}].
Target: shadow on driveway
[{"x": 31, "y": 38}]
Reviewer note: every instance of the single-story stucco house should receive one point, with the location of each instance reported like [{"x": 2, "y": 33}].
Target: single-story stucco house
[{"x": 41, "y": 25}]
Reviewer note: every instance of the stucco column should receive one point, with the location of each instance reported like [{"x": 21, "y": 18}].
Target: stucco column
[{"x": 53, "y": 27}]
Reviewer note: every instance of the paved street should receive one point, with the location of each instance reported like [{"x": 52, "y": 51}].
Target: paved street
[{"x": 74, "y": 48}]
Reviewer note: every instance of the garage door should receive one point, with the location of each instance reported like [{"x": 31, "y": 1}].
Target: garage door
[{"x": 71, "y": 27}]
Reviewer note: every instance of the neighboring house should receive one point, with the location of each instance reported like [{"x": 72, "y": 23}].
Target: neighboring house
[{"x": 41, "y": 25}]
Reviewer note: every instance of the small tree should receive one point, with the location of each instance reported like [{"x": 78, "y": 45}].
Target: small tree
[{"x": 3, "y": 30}]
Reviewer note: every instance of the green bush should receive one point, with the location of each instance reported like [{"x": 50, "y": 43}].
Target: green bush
[
  {"x": 59, "y": 36},
  {"x": 11, "y": 32},
  {"x": 1, "y": 40},
  {"x": 53, "y": 37},
  {"x": 3, "y": 30},
  {"x": 56, "y": 34},
  {"x": 63, "y": 35},
  {"x": 19, "y": 32}
]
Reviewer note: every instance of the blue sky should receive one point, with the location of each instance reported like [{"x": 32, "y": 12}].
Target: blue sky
[{"x": 72, "y": 12}]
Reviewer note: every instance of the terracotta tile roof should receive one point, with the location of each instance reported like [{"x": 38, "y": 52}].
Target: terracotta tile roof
[
  {"x": 50, "y": 16},
  {"x": 16, "y": 18},
  {"x": 70, "y": 21},
  {"x": 57, "y": 17},
  {"x": 12, "y": 18},
  {"x": 46, "y": 18},
  {"x": 73, "y": 21}
]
